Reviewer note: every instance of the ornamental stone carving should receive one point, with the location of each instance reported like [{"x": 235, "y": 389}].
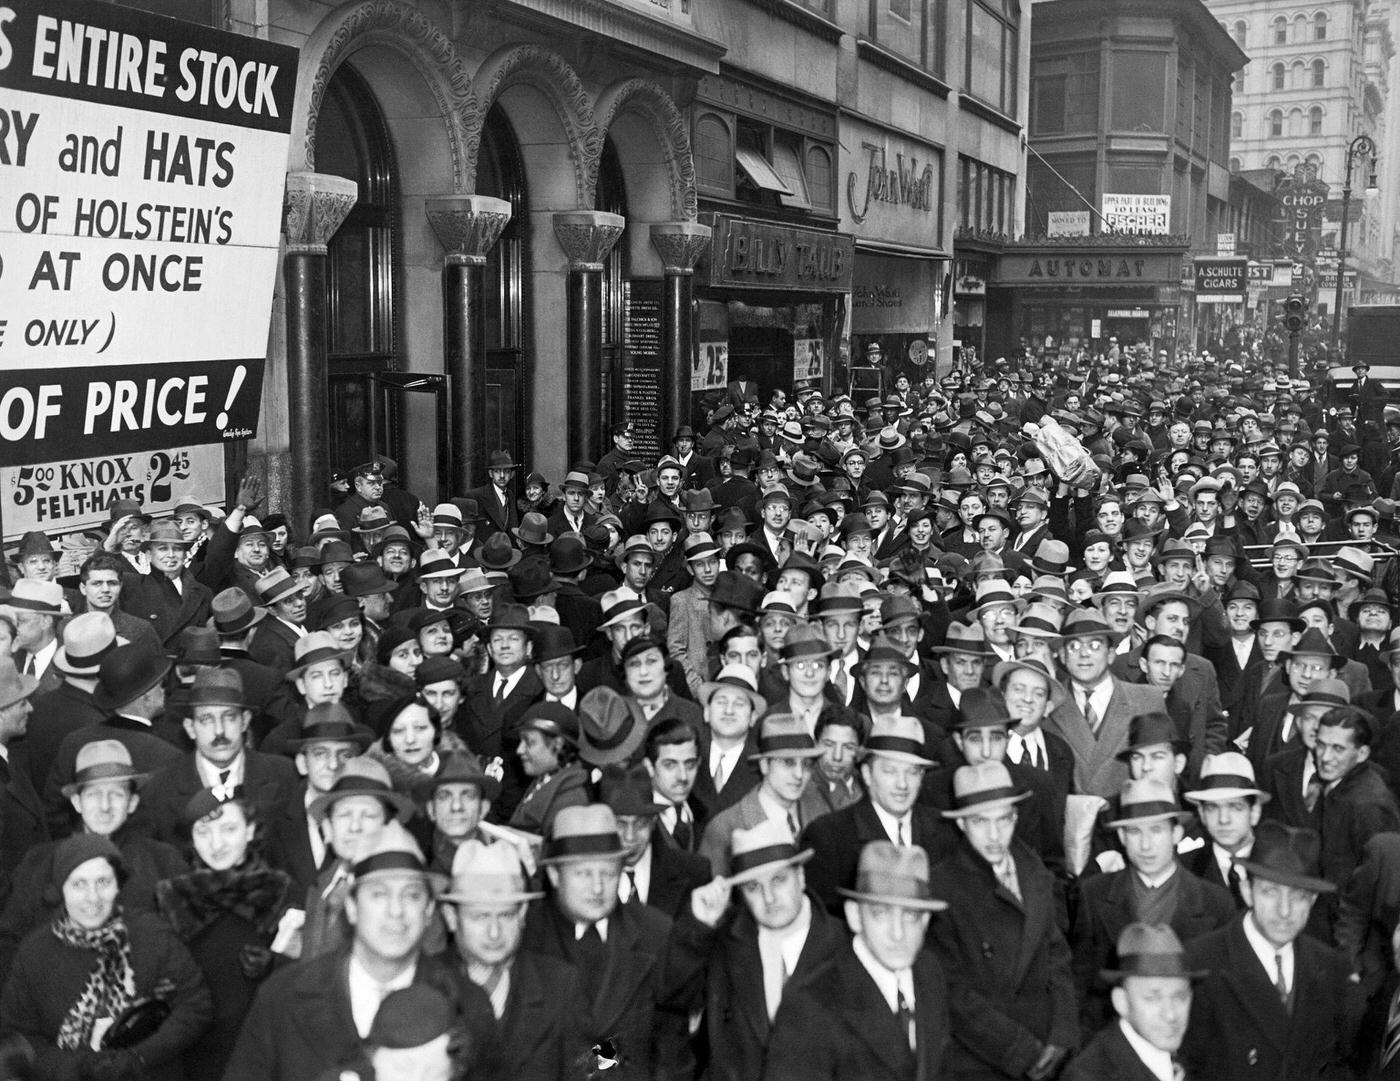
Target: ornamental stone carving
[
  {"x": 680, "y": 244},
  {"x": 587, "y": 236},
  {"x": 313, "y": 208},
  {"x": 668, "y": 125},
  {"x": 467, "y": 226}
]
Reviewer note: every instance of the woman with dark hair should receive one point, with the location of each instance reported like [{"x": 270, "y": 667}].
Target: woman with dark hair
[
  {"x": 341, "y": 618},
  {"x": 75, "y": 981},
  {"x": 227, "y": 912},
  {"x": 548, "y": 750},
  {"x": 412, "y": 741}
]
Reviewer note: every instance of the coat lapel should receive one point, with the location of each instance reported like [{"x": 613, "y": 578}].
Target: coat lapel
[
  {"x": 751, "y": 1003},
  {"x": 870, "y": 1018},
  {"x": 1246, "y": 978},
  {"x": 627, "y": 966}
]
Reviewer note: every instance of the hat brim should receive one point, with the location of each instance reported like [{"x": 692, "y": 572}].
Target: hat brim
[
  {"x": 1219, "y": 795},
  {"x": 423, "y": 789},
  {"x": 1178, "y": 816},
  {"x": 1286, "y": 878},
  {"x": 362, "y": 737},
  {"x": 76, "y": 786},
  {"x": 502, "y": 899},
  {"x": 1117, "y": 975},
  {"x": 103, "y": 699},
  {"x": 404, "y": 807},
  {"x": 758, "y": 871},
  {"x": 984, "y": 805},
  {"x": 709, "y": 687},
  {"x": 931, "y": 904},
  {"x": 296, "y": 673}
]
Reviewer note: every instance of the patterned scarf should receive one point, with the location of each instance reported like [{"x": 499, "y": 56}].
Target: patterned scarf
[{"x": 111, "y": 986}]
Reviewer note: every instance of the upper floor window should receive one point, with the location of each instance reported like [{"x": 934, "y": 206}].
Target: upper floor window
[
  {"x": 992, "y": 49},
  {"x": 1280, "y": 31},
  {"x": 1237, "y": 125},
  {"x": 1315, "y": 120},
  {"x": 1320, "y": 26},
  {"x": 1238, "y": 32},
  {"x": 1276, "y": 122},
  {"x": 1319, "y": 73},
  {"x": 1278, "y": 77}
]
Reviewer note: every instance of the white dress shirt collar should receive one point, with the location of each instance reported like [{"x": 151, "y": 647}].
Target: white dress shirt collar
[{"x": 1159, "y": 1062}]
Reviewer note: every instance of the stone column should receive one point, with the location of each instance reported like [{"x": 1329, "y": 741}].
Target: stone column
[
  {"x": 680, "y": 244},
  {"x": 587, "y": 237},
  {"x": 467, "y": 226},
  {"x": 313, "y": 208}
]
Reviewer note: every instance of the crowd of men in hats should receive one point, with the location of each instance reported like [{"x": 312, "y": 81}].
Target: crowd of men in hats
[{"x": 1034, "y": 722}]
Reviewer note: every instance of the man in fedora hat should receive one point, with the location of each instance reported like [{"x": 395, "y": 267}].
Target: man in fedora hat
[
  {"x": 536, "y": 998},
  {"x": 100, "y": 590},
  {"x": 894, "y": 759},
  {"x": 284, "y": 599},
  {"x": 1152, "y": 888},
  {"x": 316, "y": 1015},
  {"x": 1311, "y": 658},
  {"x": 36, "y": 607},
  {"x": 494, "y": 498},
  {"x": 23, "y": 823},
  {"x": 1229, "y": 804},
  {"x": 1240, "y": 652},
  {"x": 168, "y": 595},
  {"x": 217, "y": 725},
  {"x": 1012, "y": 1005},
  {"x": 131, "y": 692},
  {"x": 570, "y": 515},
  {"x": 1276, "y": 1002},
  {"x": 1095, "y": 715},
  {"x": 580, "y": 613},
  {"x": 688, "y": 626},
  {"x": 632, "y": 971},
  {"x": 786, "y": 756},
  {"x": 234, "y": 619},
  {"x": 1152, "y": 988},
  {"x": 326, "y": 740},
  {"x": 729, "y": 738},
  {"x": 879, "y": 1011},
  {"x": 654, "y": 871},
  {"x": 776, "y": 942}
]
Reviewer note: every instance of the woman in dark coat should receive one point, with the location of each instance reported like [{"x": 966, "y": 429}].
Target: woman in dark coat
[
  {"x": 73, "y": 978},
  {"x": 227, "y": 913}
]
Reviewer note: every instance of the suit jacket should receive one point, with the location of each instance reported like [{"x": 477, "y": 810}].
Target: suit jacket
[
  {"x": 1239, "y": 1029},
  {"x": 1350, "y": 814},
  {"x": 152, "y": 596},
  {"x": 1200, "y": 861},
  {"x": 269, "y": 781},
  {"x": 1108, "y": 1057},
  {"x": 273, "y": 645},
  {"x": 266, "y": 691},
  {"x": 1097, "y": 770},
  {"x": 637, "y": 1001},
  {"x": 1008, "y": 965},
  {"x": 737, "y": 1026},
  {"x": 23, "y": 823},
  {"x": 491, "y": 730},
  {"x": 542, "y": 1028},
  {"x": 1230, "y": 675},
  {"x": 1106, "y": 907},
  {"x": 289, "y": 843},
  {"x": 55, "y": 714},
  {"x": 840, "y": 1028},
  {"x": 838, "y": 837},
  {"x": 742, "y": 778},
  {"x": 300, "y": 1023},
  {"x": 719, "y": 831},
  {"x": 1282, "y": 778},
  {"x": 674, "y": 873},
  {"x": 502, "y": 519}
]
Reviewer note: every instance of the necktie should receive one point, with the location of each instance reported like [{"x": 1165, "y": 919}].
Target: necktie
[
  {"x": 1281, "y": 984},
  {"x": 719, "y": 775},
  {"x": 1090, "y": 714},
  {"x": 500, "y": 693},
  {"x": 899, "y": 837},
  {"x": 1314, "y": 793},
  {"x": 592, "y": 959},
  {"x": 1390, "y": 1044},
  {"x": 683, "y": 833},
  {"x": 842, "y": 681},
  {"x": 905, "y": 1016},
  {"x": 1236, "y": 877},
  {"x": 792, "y": 824},
  {"x": 632, "y": 897}
]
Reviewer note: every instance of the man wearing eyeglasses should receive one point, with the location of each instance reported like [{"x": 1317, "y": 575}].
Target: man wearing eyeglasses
[{"x": 1093, "y": 718}]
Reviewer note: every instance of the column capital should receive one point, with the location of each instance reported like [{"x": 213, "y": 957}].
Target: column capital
[
  {"x": 468, "y": 226},
  {"x": 680, "y": 243},
  {"x": 587, "y": 236},
  {"x": 313, "y": 208}
]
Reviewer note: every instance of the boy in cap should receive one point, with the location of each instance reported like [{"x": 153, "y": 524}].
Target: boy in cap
[
  {"x": 1012, "y": 1006},
  {"x": 880, "y": 1010}
]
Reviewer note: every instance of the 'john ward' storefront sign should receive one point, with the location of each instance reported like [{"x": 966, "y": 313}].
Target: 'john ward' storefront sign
[{"x": 759, "y": 255}]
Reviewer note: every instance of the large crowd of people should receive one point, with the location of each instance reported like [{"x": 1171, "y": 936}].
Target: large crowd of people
[{"x": 1040, "y": 720}]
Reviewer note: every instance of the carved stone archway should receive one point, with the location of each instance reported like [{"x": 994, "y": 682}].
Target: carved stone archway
[{"x": 637, "y": 105}]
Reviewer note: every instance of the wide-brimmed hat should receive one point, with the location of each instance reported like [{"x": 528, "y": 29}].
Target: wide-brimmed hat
[
  {"x": 488, "y": 874},
  {"x": 737, "y": 677},
  {"x": 1088, "y": 623},
  {"x": 165, "y": 532},
  {"x": 1331, "y": 693},
  {"x": 569, "y": 554},
  {"x": 737, "y": 591},
  {"x": 890, "y": 874},
  {"x": 363, "y": 776},
  {"x": 1150, "y": 950},
  {"x": 1051, "y": 557},
  {"x": 330, "y": 722},
  {"x": 102, "y": 760},
  {"x": 898, "y": 738},
  {"x": 277, "y": 585},
  {"x": 1287, "y": 855},
  {"x": 781, "y": 735},
  {"x": 198, "y": 645},
  {"x": 46, "y": 598},
  {"x": 127, "y": 673},
  {"x": 977, "y": 789},
  {"x": 1151, "y": 730},
  {"x": 87, "y": 638},
  {"x": 1161, "y": 593},
  {"x": 583, "y": 832},
  {"x": 761, "y": 850},
  {"x": 233, "y": 612},
  {"x": 1353, "y": 561},
  {"x": 496, "y": 553},
  {"x": 611, "y": 727},
  {"x": 629, "y": 792},
  {"x": 1226, "y": 776},
  {"x": 217, "y": 687},
  {"x": 1278, "y": 610},
  {"x": 805, "y": 642},
  {"x": 458, "y": 767},
  {"x": 435, "y": 563},
  {"x": 15, "y": 686},
  {"x": 314, "y": 648},
  {"x": 1147, "y": 800},
  {"x": 618, "y": 604},
  {"x": 533, "y": 529},
  {"x": 501, "y": 459},
  {"x": 883, "y": 650},
  {"x": 964, "y": 638},
  {"x": 393, "y": 854},
  {"x": 838, "y": 597},
  {"x": 1040, "y": 620},
  {"x": 992, "y": 592},
  {"x": 1313, "y": 643},
  {"x": 982, "y": 707},
  {"x": 1004, "y": 669},
  {"x": 364, "y": 580}
]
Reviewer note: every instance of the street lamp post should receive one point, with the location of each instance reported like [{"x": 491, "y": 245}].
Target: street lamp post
[{"x": 1361, "y": 145}]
